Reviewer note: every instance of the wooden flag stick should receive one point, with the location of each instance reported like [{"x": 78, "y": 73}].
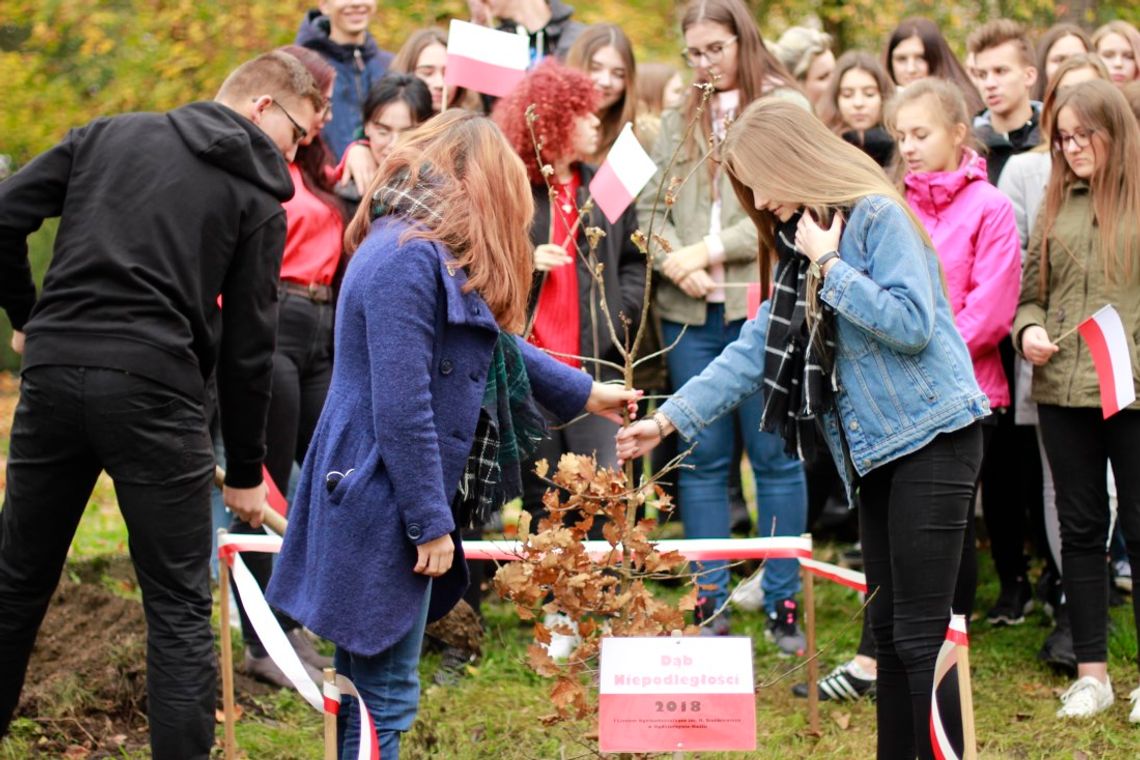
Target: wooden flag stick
[
  {"x": 812, "y": 662},
  {"x": 230, "y": 740},
  {"x": 330, "y": 720},
  {"x": 966, "y": 700}
]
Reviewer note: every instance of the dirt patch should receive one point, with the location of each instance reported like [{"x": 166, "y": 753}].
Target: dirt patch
[{"x": 86, "y": 685}]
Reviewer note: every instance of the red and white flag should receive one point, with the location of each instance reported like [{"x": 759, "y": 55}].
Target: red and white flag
[
  {"x": 626, "y": 170},
  {"x": 949, "y": 658},
  {"x": 485, "y": 60},
  {"x": 1108, "y": 344}
]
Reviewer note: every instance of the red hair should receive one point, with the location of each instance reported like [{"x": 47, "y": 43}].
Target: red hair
[
  {"x": 559, "y": 96},
  {"x": 485, "y": 206}
]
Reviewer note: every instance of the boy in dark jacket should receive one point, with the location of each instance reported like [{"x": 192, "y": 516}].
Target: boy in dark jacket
[
  {"x": 163, "y": 218},
  {"x": 338, "y": 30},
  {"x": 548, "y": 24}
]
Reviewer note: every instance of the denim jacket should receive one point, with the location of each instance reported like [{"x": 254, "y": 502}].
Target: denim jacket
[{"x": 903, "y": 372}]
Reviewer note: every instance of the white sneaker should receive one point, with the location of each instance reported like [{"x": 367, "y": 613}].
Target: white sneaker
[
  {"x": 1085, "y": 698},
  {"x": 561, "y": 644},
  {"x": 748, "y": 595},
  {"x": 1134, "y": 716}
]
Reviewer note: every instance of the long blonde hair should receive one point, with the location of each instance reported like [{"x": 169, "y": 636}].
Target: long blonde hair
[
  {"x": 796, "y": 159},
  {"x": 486, "y": 206},
  {"x": 1114, "y": 186}
]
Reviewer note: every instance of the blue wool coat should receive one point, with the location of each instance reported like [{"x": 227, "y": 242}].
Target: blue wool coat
[{"x": 412, "y": 355}]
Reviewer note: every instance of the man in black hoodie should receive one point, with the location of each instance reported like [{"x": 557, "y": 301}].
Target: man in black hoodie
[{"x": 164, "y": 220}]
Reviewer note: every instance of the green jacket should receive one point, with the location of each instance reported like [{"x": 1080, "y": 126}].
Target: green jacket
[
  {"x": 687, "y": 223},
  {"x": 1076, "y": 288}
]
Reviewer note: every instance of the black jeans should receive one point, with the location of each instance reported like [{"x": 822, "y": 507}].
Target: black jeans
[
  {"x": 966, "y": 589},
  {"x": 1079, "y": 444},
  {"x": 1013, "y": 506},
  {"x": 71, "y": 423},
  {"x": 302, "y": 370},
  {"x": 912, "y": 520}
]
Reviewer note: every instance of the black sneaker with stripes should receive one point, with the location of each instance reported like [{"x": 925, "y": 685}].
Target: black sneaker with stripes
[{"x": 840, "y": 685}]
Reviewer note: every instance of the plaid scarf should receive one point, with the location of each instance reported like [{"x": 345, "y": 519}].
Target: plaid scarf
[
  {"x": 510, "y": 425},
  {"x": 509, "y": 429},
  {"x": 799, "y": 381}
]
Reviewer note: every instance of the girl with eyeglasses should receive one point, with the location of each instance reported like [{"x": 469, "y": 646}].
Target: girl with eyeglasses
[
  {"x": 1084, "y": 254},
  {"x": 709, "y": 259},
  {"x": 1024, "y": 181}
]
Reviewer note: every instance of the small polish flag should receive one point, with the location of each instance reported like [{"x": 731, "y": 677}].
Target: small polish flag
[
  {"x": 626, "y": 170},
  {"x": 485, "y": 60},
  {"x": 1104, "y": 332}
]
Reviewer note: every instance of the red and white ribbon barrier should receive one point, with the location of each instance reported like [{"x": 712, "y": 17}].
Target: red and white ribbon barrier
[
  {"x": 949, "y": 657},
  {"x": 278, "y": 646},
  {"x": 774, "y": 547}
]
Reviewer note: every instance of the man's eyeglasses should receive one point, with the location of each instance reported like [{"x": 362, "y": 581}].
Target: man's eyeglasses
[
  {"x": 299, "y": 132},
  {"x": 1080, "y": 139},
  {"x": 713, "y": 53}
]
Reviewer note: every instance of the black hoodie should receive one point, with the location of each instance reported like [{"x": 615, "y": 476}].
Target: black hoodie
[{"x": 160, "y": 214}]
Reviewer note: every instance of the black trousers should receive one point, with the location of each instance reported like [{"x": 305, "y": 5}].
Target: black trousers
[
  {"x": 1013, "y": 506},
  {"x": 1079, "y": 444},
  {"x": 302, "y": 371},
  {"x": 71, "y": 423},
  {"x": 912, "y": 521}
]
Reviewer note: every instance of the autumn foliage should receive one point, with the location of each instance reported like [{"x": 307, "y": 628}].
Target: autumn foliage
[{"x": 606, "y": 594}]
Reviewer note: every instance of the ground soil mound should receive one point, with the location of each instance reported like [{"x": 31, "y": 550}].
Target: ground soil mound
[{"x": 86, "y": 683}]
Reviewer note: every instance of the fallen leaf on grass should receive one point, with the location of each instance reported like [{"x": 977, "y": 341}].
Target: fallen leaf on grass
[
  {"x": 842, "y": 719},
  {"x": 76, "y": 752}
]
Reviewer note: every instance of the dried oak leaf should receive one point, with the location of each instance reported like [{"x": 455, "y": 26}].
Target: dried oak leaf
[
  {"x": 541, "y": 467},
  {"x": 541, "y": 662}
]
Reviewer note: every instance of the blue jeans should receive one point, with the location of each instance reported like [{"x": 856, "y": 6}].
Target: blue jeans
[
  {"x": 389, "y": 683},
  {"x": 781, "y": 492}
]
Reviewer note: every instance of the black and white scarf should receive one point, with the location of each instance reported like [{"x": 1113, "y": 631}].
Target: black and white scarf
[{"x": 799, "y": 382}]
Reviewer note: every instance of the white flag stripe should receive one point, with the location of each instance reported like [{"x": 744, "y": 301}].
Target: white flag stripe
[
  {"x": 491, "y": 46},
  {"x": 1108, "y": 320},
  {"x": 630, "y": 162}
]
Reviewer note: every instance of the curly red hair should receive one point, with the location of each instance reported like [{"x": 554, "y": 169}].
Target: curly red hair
[{"x": 559, "y": 95}]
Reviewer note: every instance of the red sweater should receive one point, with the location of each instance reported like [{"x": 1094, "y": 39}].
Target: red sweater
[{"x": 314, "y": 238}]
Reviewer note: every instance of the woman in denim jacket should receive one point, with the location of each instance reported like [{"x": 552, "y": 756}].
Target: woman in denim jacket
[{"x": 858, "y": 347}]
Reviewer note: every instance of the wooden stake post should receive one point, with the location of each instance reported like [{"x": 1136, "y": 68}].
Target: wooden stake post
[
  {"x": 330, "y": 721},
  {"x": 812, "y": 662},
  {"x": 227, "y": 658},
  {"x": 966, "y": 700}
]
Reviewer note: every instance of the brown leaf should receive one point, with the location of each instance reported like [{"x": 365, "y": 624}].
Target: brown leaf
[
  {"x": 842, "y": 719},
  {"x": 688, "y": 602},
  {"x": 76, "y": 752},
  {"x": 524, "y": 524},
  {"x": 541, "y": 467},
  {"x": 540, "y": 662},
  {"x": 541, "y": 633}
]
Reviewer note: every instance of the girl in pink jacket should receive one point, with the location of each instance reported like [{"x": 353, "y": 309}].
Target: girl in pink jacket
[
  {"x": 974, "y": 232},
  {"x": 970, "y": 221}
]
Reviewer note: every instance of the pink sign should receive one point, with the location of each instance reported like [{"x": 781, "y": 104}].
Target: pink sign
[{"x": 676, "y": 694}]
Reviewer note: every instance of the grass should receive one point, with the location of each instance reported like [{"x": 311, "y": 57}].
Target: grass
[{"x": 495, "y": 710}]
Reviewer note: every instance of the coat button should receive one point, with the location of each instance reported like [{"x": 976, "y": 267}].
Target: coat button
[
  {"x": 414, "y": 532},
  {"x": 853, "y": 425},
  {"x": 445, "y": 367},
  {"x": 475, "y": 309}
]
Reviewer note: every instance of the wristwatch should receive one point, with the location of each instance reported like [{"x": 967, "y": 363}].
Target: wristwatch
[{"x": 816, "y": 266}]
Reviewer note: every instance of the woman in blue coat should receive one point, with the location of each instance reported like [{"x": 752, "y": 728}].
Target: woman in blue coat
[
  {"x": 429, "y": 413},
  {"x": 857, "y": 351}
]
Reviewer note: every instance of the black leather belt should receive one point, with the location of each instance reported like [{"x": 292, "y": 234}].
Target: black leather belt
[{"x": 315, "y": 292}]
